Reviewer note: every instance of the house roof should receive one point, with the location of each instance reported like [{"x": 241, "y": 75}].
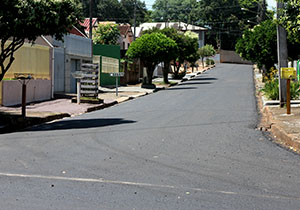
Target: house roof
[
  {"x": 181, "y": 26},
  {"x": 124, "y": 29},
  {"x": 86, "y": 23}
]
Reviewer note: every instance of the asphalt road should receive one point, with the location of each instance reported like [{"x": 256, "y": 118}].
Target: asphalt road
[{"x": 193, "y": 146}]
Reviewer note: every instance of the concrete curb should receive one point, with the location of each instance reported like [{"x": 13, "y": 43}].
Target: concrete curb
[{"x": 269, "y": 124}]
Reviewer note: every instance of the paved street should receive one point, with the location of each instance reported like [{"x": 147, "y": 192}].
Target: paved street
[{"x": 193, "y": 146}]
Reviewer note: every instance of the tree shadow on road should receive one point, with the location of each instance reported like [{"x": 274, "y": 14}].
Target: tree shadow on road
[
  {"x": 182, "y": 88},
  {"x": 81, "y": 124},
  {"x": 195, "y": 83},
  {"x": 204, "y": 78}
]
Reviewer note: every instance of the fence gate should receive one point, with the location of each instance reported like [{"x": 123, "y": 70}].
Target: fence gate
[{"x": 89, "y": 80}]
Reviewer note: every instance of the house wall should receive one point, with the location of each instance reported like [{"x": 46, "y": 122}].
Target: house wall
[{"x": 74, "y": 49}]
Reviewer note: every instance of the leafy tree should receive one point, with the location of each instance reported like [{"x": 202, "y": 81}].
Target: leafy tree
[
  {"x": 206, "y": 51},
  {"x": 22, "y": 20},
  {"x": 115, "y": 10},
  {"x": 226, "y": 19},
  {"x": 151, "y": 49},
  {"x": 106, "y": 34},
  {"x": 128, "y": 7},
  {"x": 109, "y": 10},
  {"x": 290, "y": 19},
  {"x": 186, "y": 48},
  {"x": 259, "y": 44},
  {"x": 175, "y": 10}
]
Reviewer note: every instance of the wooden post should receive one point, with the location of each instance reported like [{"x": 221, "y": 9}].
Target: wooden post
[
  {"x": 24, "y": 100},
  {"x": 288, "y": 96}
]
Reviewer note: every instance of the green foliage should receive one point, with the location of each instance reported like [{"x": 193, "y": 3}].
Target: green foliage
[
  {"x": 175, "y": 10},
  {"x": 22, "y": 20},
  {"x": 271, "y": 89},
  {"x": 209, "y": 62},
  {"x": 106, "y": 34},
  {"x": 114, "y": 10},
  {"x": 151, "y": 49},
  {"x": 226, "y": 19},
  {"x": 259, "y": 44},
  {"x": 206, "y": 51},
  {"x": 290, "y": 19}
]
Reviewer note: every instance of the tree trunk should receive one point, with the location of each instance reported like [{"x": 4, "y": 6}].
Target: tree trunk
[{"x": 166, "y": 72}]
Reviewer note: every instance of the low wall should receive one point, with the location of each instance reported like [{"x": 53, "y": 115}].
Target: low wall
[
  {"x": 37, "y": 90},
  {"x": 227, "y": 56}
]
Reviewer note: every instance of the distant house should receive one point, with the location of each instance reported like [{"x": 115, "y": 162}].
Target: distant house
[
  {"x": 86, "y": 24},
  {"x": 126, "y": 38},
  {"x": 180, "y": 26}
]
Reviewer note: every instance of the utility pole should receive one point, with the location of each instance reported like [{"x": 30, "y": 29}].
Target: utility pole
[
  {"x": 282, "y": 55},
  {"x": 91, "y": 20},
  {"x": 134, "y": 21}
]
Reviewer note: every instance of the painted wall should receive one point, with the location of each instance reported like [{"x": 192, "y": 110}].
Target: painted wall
[
  {"x": 29, "y": 59},
  {"x": 37, "y": 90},
  {"x": 112, "y": 51}
]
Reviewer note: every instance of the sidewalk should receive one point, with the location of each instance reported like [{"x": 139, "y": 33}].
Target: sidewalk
[
  {"x": 285, "y": 129},
  {"x": 37, "y": 113}
]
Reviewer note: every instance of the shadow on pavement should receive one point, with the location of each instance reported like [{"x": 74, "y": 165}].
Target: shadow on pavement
[
  {"x": 204, "y": 78},
  {"x": 81, "y": 124},
  {"x": 196, "y": 83},
  {"x": 182, "y": 88}
]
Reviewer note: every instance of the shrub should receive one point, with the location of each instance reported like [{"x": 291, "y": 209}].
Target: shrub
[
  {"x": 209, "y": 62},
  {"x": 271, "y": 90}
]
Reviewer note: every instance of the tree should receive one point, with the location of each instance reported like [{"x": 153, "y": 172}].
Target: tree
[
  {"x": 115, "y": 10},
  {"x": 259, "y": 45},
  {"x": 128, "y": 7},
  {"x": 175, "y": 10},
  {"x": 22, "y": 20},
  {"x": 151, "y": 49},
  {"x": 186, "y": 48},
  {"x": 206, "y": 51},
  {"x": 290, "y": 19},
  {"x": 106, "y": 34},
  {"x": 226, "y": 19}
]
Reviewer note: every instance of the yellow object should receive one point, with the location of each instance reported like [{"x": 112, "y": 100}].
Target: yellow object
[
  {"x": 288, "y": 73},
  {"x": 33, "y": 59}
]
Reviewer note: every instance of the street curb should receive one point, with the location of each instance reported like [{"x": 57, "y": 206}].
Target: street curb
[{"x": 269, "y": 124}]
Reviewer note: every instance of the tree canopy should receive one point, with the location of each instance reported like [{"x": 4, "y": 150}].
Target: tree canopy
[
  {"x": 106, "y": 34},
  {"x": 114, "y": 10},
  {"x": 151, "y": 49},
  {"x": 22, "y": 20},
  {"x": 290, "y": 19},
  {"x": 259, "y": 44}
]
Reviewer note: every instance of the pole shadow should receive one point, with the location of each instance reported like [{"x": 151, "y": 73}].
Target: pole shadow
[{"x": 81, "y": 124}]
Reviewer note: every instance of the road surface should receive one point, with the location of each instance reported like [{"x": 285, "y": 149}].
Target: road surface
[{"x": 193, "y": 146}]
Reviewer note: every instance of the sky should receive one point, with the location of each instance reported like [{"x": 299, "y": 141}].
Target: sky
[{"x": 271, "y": 3}]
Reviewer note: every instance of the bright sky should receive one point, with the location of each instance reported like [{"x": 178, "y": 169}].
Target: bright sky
[{"x": 149, "y": 3}]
